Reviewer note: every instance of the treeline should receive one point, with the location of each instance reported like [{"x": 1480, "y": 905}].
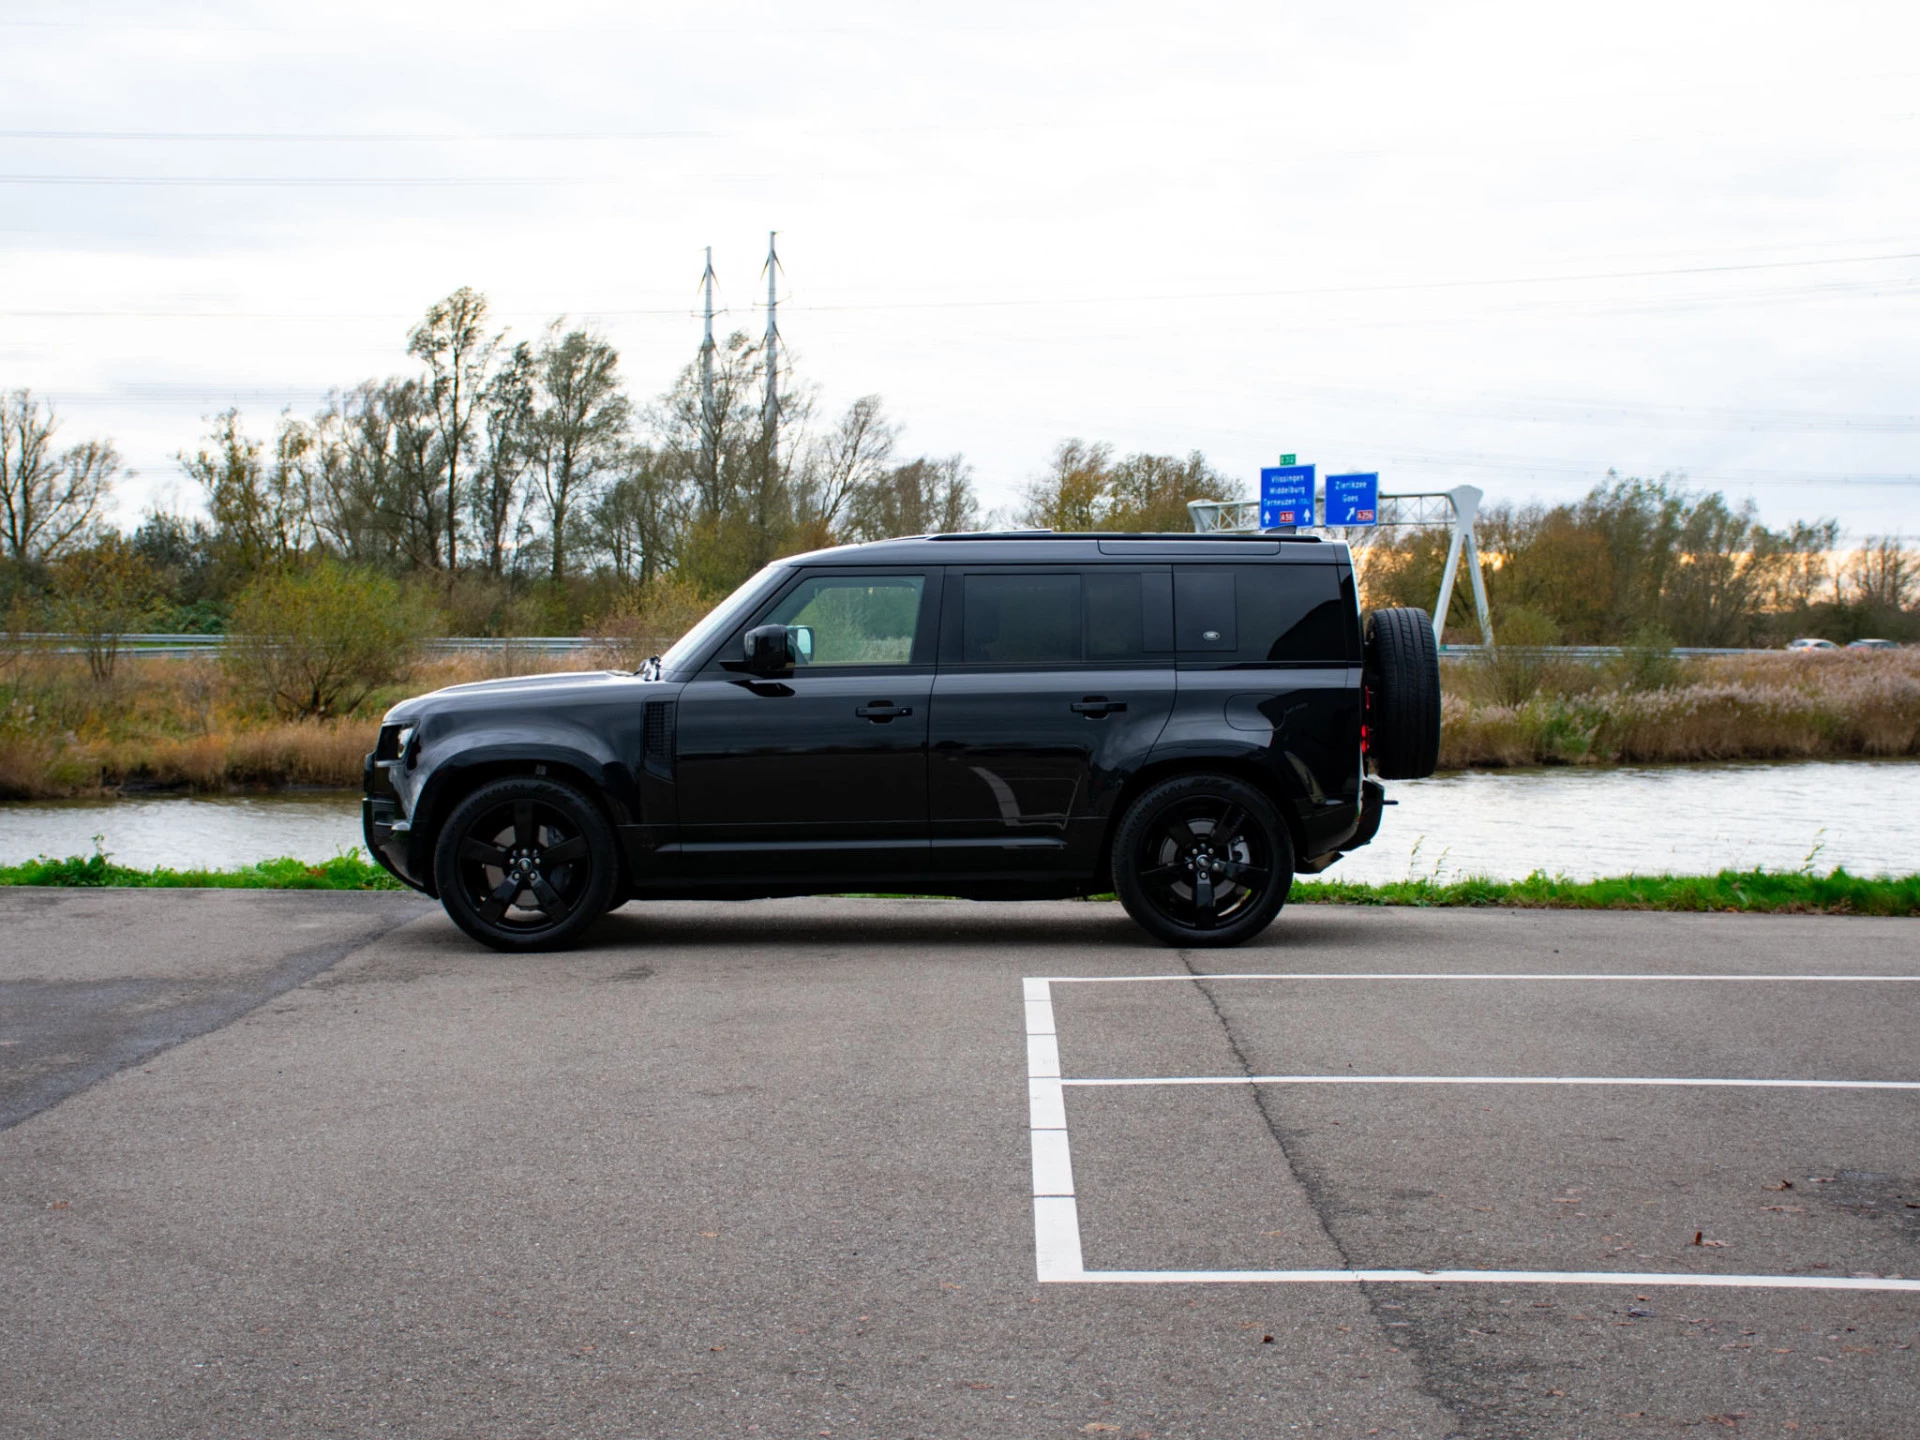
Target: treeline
[
  {"x": 516, "y": 485},
  {"x": 1652, "y": 563}
]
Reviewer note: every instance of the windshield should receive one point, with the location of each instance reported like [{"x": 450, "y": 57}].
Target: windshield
[{"x": 718, "y": 620}]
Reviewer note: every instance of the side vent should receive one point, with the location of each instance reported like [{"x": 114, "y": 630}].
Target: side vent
[{"x": 656, "y": 739}]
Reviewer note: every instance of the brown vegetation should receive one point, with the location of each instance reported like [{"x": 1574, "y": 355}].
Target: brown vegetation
[
  {"x": 183, "y": 724},
  {"x": 1737, "y": 707}
]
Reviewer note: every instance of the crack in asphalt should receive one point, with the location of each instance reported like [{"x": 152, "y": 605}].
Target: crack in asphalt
[{"x": 1428, "y": 1382}]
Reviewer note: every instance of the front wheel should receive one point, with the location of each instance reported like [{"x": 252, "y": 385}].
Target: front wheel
[
  {"x": 1202, "y": 860},
  {"x": 525, "y": 864}
]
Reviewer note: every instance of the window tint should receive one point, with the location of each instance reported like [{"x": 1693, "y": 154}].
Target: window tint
[
  {"x": 1114, "y": 620},
  {"x": 1204, "y": 612},
  {"x": 853, "y": 619},
  {"x": 1021, "y": 620},
  {"x": 1266, "y": 614}
]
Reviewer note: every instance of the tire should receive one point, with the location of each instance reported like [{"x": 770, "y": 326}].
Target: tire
[
  {"x": 1403, "y": 695},
  {"x": 1171, "y": 829},
  {"x": 545, "y": 835}
]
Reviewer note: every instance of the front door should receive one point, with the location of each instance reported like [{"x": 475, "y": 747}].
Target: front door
[{"x": 821, "y": 773}]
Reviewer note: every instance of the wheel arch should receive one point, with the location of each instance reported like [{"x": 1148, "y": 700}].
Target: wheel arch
[
  {"x": 459, "y": 776},
  {"x": 1241, "y": 768}
]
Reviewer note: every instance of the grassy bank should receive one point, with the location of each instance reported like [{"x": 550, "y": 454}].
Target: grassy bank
[
  {"x": 343, "y": 872},
  {"x": 1747, "y": 891},
  {"x": 177, "y": 724}
]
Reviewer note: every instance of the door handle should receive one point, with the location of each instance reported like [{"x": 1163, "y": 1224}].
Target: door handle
[
  {"x": 1096, "y": 706},
  {"x": 881, "y": 711}
]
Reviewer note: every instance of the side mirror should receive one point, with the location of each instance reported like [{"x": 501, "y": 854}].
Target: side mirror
[{"x": 766, "y": 650}]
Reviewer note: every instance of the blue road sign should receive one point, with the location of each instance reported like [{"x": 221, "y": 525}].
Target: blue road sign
[
  {"x": 1353, "y": 499},
  {"x": 1286, "y": 496}
]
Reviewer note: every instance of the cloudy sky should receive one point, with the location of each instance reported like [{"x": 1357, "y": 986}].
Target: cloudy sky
[{"x": 1507, "y": 245}]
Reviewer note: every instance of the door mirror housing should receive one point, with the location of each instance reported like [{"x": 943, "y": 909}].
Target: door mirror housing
[{"x": 767, "y": 651}]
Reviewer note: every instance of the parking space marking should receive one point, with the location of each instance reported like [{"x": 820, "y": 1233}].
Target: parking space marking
[
  {"x": 1058, "y": 1258},
  {"x": 1676, "y": 1080},
  {"x": 1463, "y": 975}
]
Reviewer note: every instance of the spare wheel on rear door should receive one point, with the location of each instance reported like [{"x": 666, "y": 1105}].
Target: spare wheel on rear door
[{"x": 1403, "y": 694}]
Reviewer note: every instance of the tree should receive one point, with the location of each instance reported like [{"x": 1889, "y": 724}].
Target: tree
[
  {"x": 578, "y": 429},
  {"x": 49, "y": 502},
  {"x": 100, "y": 594},
  {"x": 636, "y": 519},
  {"x": 922, "y": 497},
  {"x": 1071, "y": 494},
  {"x": 1150, "y": 492},
  {"x": 848, "y": 459},
  {"x": 317, "y": 640},
  {"x": 1083, "y": 488},
  {"x": 508, "y": 411},
  {"x": 261, "y": 510},
  {"x": 1883, "y": 574},
  {"x": 452, "y": 341}
]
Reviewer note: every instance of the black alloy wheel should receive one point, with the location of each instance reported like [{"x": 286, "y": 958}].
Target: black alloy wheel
[
  {"x": 1202, "y": 860},
  {"x": 525, "y": 864}
]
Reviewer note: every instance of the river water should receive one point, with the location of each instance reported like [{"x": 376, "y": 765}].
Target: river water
[{"x": 1581, "y": 823}]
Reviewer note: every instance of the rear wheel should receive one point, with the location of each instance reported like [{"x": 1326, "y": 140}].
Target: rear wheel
[
  {"x": 1202, "y": 860},
  {"x": 525, "y": 864}
]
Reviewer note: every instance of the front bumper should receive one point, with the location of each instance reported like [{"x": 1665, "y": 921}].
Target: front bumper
[{"x": 385, "y": 828}]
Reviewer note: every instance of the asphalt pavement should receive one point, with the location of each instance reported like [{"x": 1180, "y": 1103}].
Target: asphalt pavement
[{"x": 315, "y": 1165}]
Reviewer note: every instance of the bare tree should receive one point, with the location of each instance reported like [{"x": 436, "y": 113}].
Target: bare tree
[
  {"x": 261, "y": 510},
  {"x": 457, "y": 351},
  {"x": 49, "y": 502},
  {"x": 847, "y": 459},
  {"x": 636, "y": 519},
  {"x": 1883, "y": 574},
  {"x": 508, "y": 408},
  {"x": 579, "y": 429},
  {"x": 922, "y": 497}
]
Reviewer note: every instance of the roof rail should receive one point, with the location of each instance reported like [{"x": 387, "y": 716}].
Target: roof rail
[{"x": 1213, "y": 537}]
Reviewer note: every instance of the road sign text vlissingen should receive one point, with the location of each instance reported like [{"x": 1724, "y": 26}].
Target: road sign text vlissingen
[
  {"x": 1286, "y": 495},
  {"x": 1353, "y": 499}
]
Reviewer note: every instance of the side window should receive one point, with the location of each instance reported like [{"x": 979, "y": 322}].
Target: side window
[
  {"x": 852, "y": 619},
  {"x": 1116, "y": 627},
  {"x": 1204, "y": 613},
  {"x": 1264, "y": 614},
  {"x": 1021, "y": 620},
  {"x": 1293, "y": 614}
]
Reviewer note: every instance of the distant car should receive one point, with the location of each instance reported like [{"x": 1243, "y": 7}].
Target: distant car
[
  {"x": 1871, "y": 645},
  {"x": 1810, "y": 642}
]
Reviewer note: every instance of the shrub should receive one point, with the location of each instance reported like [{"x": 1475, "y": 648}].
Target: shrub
[
  {"x": 648, "y": 619},
  {"x": 316, "y": 641}
]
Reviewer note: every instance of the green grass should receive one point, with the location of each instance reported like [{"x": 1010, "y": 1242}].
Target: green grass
[
  {"x": 343, "y": 872},
  {"x": 1751, "y": 891},
  {"x": 1754, "y": 891}
]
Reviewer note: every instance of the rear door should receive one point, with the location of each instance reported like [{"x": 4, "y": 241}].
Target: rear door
[
  {"x": 822, "y": 773},
  {"x": 1054, "y": 682}
]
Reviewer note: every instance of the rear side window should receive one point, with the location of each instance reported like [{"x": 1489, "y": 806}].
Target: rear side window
[
  {"x": 1021, "y": 620},
  {"x": 1265, "y": 615},
  {"x": 1095, "y": 616}
]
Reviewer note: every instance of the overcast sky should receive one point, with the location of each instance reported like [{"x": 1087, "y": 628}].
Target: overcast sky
[{"x": 1506, "y": 245}]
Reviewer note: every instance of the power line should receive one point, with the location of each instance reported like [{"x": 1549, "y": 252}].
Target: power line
[
  {"x": 382, "y": 181},
  {"x": 352, "y": 137}
]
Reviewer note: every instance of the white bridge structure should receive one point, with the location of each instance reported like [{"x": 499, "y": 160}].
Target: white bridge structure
[{"x": 1457, "y": 509}]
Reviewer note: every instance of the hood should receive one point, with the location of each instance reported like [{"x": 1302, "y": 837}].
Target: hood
[{"x": 517, "y": 691}]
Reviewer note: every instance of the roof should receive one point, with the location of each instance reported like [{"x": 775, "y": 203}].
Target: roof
[{"x": 1008, "y": 547}]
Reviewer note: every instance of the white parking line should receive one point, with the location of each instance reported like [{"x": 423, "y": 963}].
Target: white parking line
[
  {"x": 1467, "y": 975},
  {"x": 1673, "y": 1080},
  {"x": 1056, "y": 1216}
]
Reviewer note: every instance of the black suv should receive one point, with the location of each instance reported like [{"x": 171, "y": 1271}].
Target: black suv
[{"x": 1186, "y": 721}]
